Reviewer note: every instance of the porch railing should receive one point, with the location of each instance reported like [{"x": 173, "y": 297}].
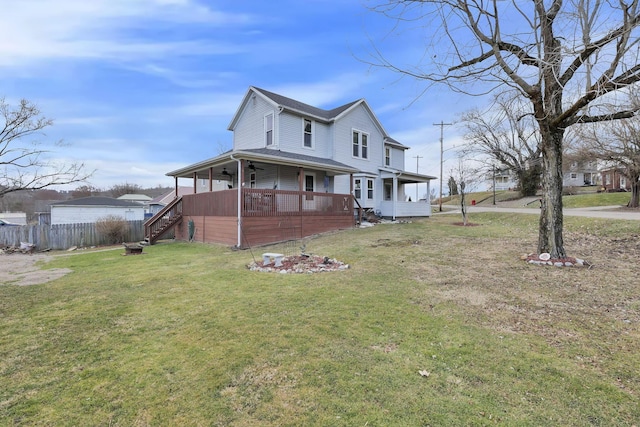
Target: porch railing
[{"x": 265, "y": 202}]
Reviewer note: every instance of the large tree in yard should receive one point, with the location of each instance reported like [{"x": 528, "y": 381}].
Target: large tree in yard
[
  {"x": 25, "y": 162},
  {"x": 567, "y": 58}
]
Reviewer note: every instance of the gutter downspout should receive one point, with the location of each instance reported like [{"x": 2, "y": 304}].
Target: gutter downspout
[{"x": 239, "y": 236}]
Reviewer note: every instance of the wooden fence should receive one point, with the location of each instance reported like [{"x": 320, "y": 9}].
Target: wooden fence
[{"x": 63, "y": 236}]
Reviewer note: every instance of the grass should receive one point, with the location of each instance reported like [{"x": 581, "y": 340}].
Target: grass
[
  {"x": 187, "y": 335},
  {"x": 596, "y": 199}
]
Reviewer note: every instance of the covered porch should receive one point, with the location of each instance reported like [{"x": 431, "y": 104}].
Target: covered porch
[
  {"x": 255, "y": 197},
  {"x": 395, "y": 202}
]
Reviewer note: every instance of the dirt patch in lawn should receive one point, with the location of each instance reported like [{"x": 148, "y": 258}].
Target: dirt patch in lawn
[
  {"x": 489, "y": 282},
  {"x": 23, "y": 270}
]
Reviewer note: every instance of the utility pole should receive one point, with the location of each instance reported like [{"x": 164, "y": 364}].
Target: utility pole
[
  {"x": 417, "y": 171},
  {"x": 494, "y": 184},
  {"x": 442, "y": 125}
]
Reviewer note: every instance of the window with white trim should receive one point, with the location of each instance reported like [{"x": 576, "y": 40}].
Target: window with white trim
[
  {"x": 268, "y": 129},
  {"x": 360, "y": 143},
  {"x": 308, "y": 133},
  {"x": 252, "y": 180},
  {"x": 357, "y": 188},
  {"x": 387, "y": 156},
  {"x": 370, "y": 189},
  {"x": 574, "y": 176}
]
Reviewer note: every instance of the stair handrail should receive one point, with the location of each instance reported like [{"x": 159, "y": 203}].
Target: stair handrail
[{"x": 175, "y": 205}]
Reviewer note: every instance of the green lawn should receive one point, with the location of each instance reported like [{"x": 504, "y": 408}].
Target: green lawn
[
  {"x": 186, "y": 335},
  {"x": 596, "y": 199}
]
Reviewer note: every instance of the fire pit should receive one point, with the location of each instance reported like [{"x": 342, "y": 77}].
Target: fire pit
[{"x": 132, "y": 249}]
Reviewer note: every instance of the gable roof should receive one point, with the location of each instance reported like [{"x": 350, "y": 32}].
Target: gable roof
[
  {"x": 135, "y": 197},
  {"x": 302, "y": 109},
  {"x": 305, "y": 109},
  {"x": 98, "y": 201}
]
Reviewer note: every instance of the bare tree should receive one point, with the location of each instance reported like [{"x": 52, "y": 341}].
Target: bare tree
[
  {"x": 465, "y": 177},
  {"x": 25, "y": 162},
  {"x": 567, "y": 58},
  {"x": 122, "y": 189},
  {"x": 506, "y": 133}
]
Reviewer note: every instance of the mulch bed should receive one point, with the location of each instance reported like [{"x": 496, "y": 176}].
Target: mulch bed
[
  {"x": 301, "y": 264},
  {"x": 545, "y": 259}
]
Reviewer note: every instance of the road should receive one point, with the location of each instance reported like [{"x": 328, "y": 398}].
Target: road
[{"x": 608, "y": 212}]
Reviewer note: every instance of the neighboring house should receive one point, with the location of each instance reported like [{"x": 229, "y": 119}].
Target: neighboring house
[
  {"x": 91, "y": 209},
  {"x": 294, "y": 170},
  {"x": 613, "y": 179},
  {"x": 504, "y": 179},
  {"x": 158, "y": 203},
  {"x": 578, "y": 173},
  {"x": 143, "y": 199}
]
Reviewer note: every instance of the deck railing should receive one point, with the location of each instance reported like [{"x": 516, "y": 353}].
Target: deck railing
[{"x": 266, "y": 202}]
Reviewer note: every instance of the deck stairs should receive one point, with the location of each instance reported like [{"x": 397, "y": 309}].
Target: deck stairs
[{"x": 163, "y": 221}]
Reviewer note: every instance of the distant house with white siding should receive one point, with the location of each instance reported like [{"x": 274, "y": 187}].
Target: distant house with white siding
[{"x": 91, "y": 209}]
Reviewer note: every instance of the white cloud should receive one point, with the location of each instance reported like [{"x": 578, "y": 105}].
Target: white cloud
[{"x": 41, "y": 29}]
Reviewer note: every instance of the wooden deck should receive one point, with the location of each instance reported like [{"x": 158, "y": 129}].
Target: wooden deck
[{"x": 267, "y": 216}]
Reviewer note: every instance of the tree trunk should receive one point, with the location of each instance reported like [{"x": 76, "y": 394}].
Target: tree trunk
[
  {"x": 635, "y": 191},
  {"x": 551, "y": 219}
]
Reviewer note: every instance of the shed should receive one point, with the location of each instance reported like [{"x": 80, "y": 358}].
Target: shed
[{"x": 91, "y": 209}]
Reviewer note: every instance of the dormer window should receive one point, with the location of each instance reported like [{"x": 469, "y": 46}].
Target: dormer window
[
  {"x": 308, "y": 133},
  {"x": 268, "y": 129}
]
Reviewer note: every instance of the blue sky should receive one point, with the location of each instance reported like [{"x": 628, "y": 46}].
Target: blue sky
[{"x": 137, "y": 88}]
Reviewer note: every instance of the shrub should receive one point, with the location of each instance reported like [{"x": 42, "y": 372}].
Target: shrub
[{"x": 113, "y": 228}]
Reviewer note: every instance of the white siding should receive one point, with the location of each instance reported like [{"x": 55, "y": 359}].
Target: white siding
[
  {"x": 87, "y": 214},
  {"x": 292, "y": 136},
  {"x": 360, "y": 120},
  {"x": 397, "y": 158},
  {"x": 249, "y": 130}
]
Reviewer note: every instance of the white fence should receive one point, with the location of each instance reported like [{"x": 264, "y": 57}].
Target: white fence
[{"x": 63, "y": 236}]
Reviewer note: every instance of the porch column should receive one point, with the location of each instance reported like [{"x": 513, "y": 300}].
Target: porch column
[
  {"x": 300, "y": 188},
  {"x": 394, "y": 196},
  {"x": 240, "y": 177},
  {"x": 195, "y": 182},
  {"x": 210, "y": 179}
]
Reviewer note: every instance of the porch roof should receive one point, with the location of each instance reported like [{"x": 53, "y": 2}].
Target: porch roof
[
  {"x": 263, "y": 155},
  {"x": 405, "y": 177}
]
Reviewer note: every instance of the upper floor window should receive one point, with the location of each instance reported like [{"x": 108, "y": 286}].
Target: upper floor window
[
  {"x": 268, "y": 129},
  {"x": 387, "y": 156},
  {"x": 360, "y": 144},
  {"x": 308, "y": 133}
]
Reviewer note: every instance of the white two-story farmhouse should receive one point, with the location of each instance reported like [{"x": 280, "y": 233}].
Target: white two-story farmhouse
[{"x": 294, "y": 170}]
